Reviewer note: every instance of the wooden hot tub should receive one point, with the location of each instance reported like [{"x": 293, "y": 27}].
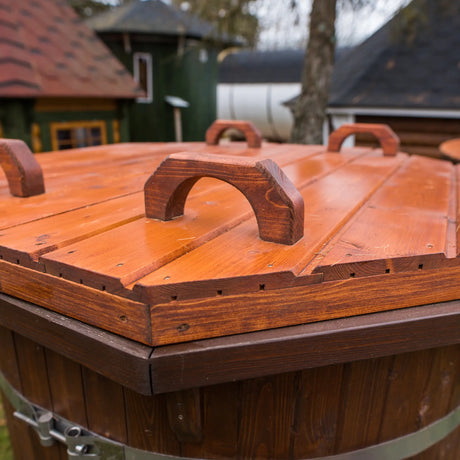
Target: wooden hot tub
[{"x": 301, "y": 302}]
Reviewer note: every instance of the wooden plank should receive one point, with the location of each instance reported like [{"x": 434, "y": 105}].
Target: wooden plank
[
  {"x": 362, "y": 403},
  {"x": 8, "y": 361},
  {"x": 443, "y": 381},
  {"x": 115, "y": 314},
  {"x": 180, "y": 321},
  {"x": 330, "y": 200},
  {"x": 221, "y": 409},
  {"x": 122, "y": 360},
  {"x": 403, "y": 408},
  {"x": 64, "y": 198},
  {"x": 149, "y": 244},
  {"x": 23, "y": 438},
  {"x": 27, "y": 242},
  {"x": 316, "y": 413},
  {"x": 105, "y": 407},
  {"x": 212, "y": 361},
  {"x": 266, "y": 411},
  {"x": 147, "y": 426},
  {"x": 35, "y": 388},
  {"x": 219, "y": 360},
  {"x": 404, "y": 205},
  {"x": 66, "y": 387}
]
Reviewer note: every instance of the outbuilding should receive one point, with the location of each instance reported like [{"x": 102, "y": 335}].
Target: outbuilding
[
  {"x": 60, "y": 87},
  {"x": 171, "y": 54}
]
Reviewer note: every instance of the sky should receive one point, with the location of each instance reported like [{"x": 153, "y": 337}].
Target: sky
[{"x": 279, "y": 28}]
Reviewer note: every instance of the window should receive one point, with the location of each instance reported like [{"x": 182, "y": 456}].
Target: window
[
  {"x": 143, "y": 75},
  {"x": 77, "y": 134}
]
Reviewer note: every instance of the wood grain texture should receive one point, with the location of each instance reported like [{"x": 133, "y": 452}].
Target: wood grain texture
[
  {"x": 242, "y": 262},
  {"x": 105, "y": 406},
  {"x": 35, "y": 387},
  {"x": 28, "y": 242},
  {"x": 160, "y": 283},
  {"x": 363, "y": 397},
  {"x": 121, "y": 360},
  {"x": 257, "y": 354},
  {"x": 8, "y": 361},
  {"x": 221, "y": 409},
  {"x": 403, "y": 205},
  {"x": 180, "y": 321},
  {"x": 99, "y": 308},
  {"x": 22, "y": 170},
  {"x": 251, "y": 133},
  {"x": 150, "y": 244},
  {"x": 289, "y": 415},
  {"x": 22, "y": 437},
  {"x": 185, "y": 416},
  {"x": 451, "y": 149},
  {"x": 277, "y": 204},
  {"x": 385, "y": 135},
  {"x": 317, "y": 412}
]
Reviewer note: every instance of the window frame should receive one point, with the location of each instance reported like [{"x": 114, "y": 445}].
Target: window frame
[
  {"x": 70, "y": 125},
  {"x": 148, "y": 98}
]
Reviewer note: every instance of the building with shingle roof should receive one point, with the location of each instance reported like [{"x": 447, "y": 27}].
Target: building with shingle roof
[
  {"x": 173, "y": 55},
  {"x": 60, "y": 86},
  {"x": 407, "y": 75}
]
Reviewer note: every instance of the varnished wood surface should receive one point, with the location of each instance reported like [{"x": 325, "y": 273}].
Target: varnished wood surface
[
  {"x": 277, "y": 204},
  {"x": 292, "y": 415},
  {"x": 148, "y": 370},
  {"x": 217, "y": 129},
  {"x": 451, "y": 149},
  {"x": 384, "y": 134},
  {"x": 373, "y": 223},
  {"x": 122, "y": 360},
  {"x": 24, "y": 174}
]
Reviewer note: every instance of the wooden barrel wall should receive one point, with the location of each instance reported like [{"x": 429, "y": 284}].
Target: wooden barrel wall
[
  {"x": 297, "y": 415},
  {"x": 419, "y": 136}
]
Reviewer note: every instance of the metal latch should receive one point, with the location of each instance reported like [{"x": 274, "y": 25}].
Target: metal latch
[{"x": 80, "y": 444}]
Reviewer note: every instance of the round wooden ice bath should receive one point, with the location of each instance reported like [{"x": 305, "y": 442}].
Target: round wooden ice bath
[
  {"x": 230, "y": 301},
  {"x": 316, "y": 412}
]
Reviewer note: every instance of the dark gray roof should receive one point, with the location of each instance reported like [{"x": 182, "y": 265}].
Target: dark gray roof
[
  {"x": 412, "y": 62},
  {"x": 279, "y": 66},
  {"x": 391, "y": 70},
  {"x": 262, "y": 67},
  {"x": 151, "y": 17}
]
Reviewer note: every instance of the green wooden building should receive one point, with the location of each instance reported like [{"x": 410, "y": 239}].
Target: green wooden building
[
  {"x": 60, "y": 86},
  {"x": 173, "y": 57}
]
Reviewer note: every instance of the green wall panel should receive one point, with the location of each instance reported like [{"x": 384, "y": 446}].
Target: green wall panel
[{"x": 175, "y": 74}]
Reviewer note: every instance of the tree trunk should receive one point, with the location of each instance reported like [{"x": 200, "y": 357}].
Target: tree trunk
[{"x": 309, "y": 110}]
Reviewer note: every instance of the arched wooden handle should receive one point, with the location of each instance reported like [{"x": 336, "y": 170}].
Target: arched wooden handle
[
  {"x": 277, "y": 204},
  {"x": 22, "y": 170},
  {"x": 451, "y": 149},
  {"x": 251, "y": 133},
  {"x": 386, "y": 136}
]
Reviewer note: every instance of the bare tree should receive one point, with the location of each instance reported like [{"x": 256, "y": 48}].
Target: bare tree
[
  {"x": 234, "y": 18},
  {"x": 309, "y": 111},
  {"x": 88, "y": 8}
]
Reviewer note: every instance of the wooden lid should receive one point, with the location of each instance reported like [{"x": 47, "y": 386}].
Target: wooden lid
[{"x": 276, "y": 236}]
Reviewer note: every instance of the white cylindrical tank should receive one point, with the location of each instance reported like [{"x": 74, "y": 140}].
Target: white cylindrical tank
[{"x": 254, "y": 85}]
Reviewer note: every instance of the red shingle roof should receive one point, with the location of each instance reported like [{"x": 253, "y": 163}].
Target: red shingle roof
[{"x": 47, "y": 51}]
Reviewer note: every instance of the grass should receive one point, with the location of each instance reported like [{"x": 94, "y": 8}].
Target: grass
[{"x": 5, "y": 447}]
